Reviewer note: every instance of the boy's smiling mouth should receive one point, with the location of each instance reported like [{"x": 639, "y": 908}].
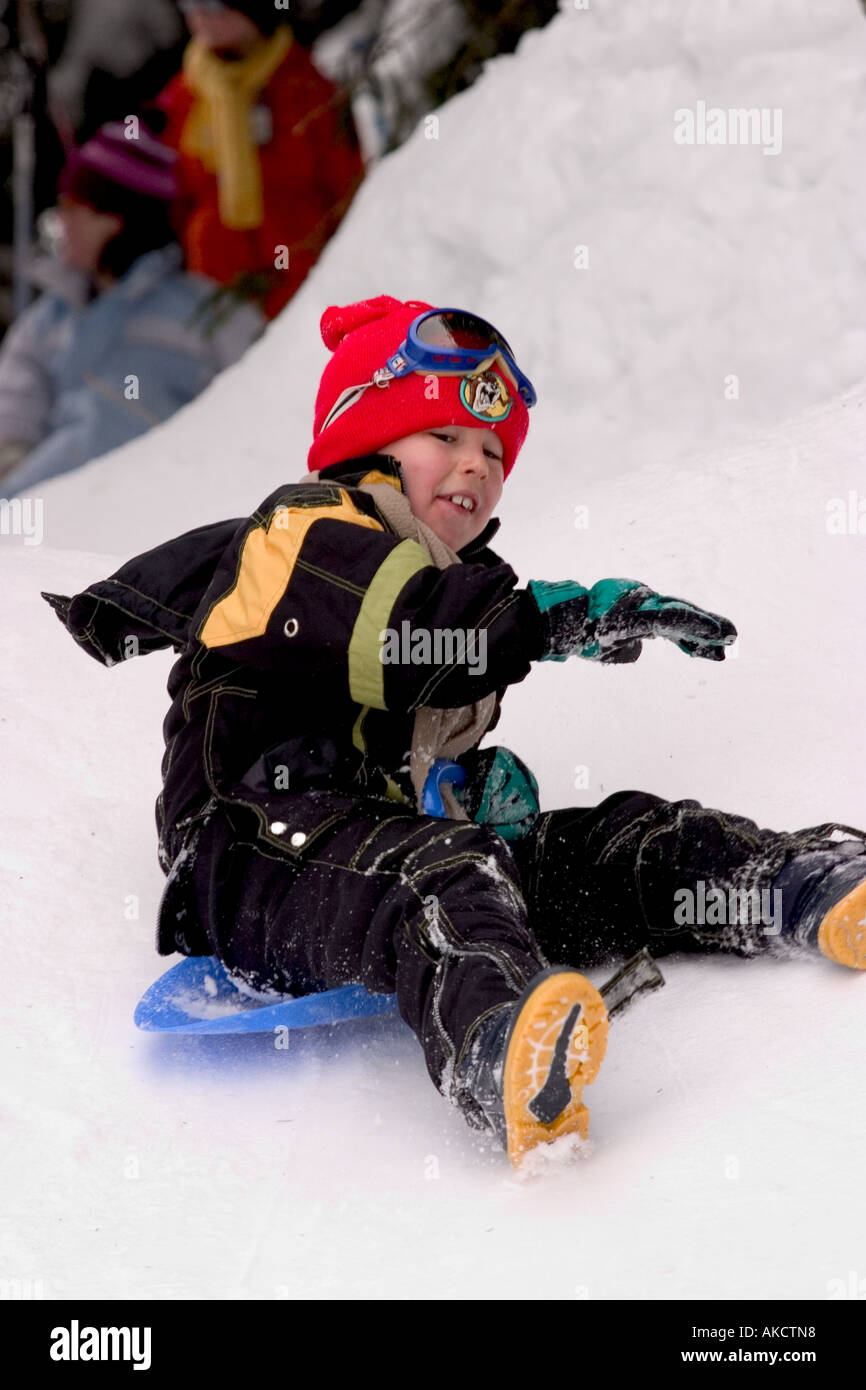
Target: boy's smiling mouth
[{"x": 463, "y": 501}]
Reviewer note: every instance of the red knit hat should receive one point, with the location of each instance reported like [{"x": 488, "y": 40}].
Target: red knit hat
[{"x": 362, "y": 337}]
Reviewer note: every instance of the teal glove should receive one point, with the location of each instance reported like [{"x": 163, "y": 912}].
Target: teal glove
[
  {"x": 500, "y": 791},
  {"x": 609, "y": 621}
]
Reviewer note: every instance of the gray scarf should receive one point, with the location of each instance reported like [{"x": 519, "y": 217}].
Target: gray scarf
[{"x": 438, "y": 733}]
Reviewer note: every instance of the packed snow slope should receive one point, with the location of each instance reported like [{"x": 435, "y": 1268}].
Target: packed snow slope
[{"x": 727, "y": 1122}]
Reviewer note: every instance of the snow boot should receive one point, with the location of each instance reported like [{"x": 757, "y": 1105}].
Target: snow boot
[
  {"x": 824, "y": 902},
  {"x": 528, "y": 1063}
]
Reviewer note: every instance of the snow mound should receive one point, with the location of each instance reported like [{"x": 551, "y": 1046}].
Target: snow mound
[
  {"x": 147, "y": 1167},
  {"x": 718, "y": 1106},
  {"x": 706, "y": 263}
]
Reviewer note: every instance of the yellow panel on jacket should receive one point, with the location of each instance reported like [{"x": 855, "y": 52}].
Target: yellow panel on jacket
[{"x": 267, "y": 561}]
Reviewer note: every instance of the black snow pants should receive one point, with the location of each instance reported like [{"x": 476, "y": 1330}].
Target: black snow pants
[{"x": 456, "y": 921}]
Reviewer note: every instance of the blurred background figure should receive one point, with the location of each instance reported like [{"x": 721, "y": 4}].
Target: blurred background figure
[
  {"x": 269, "y": 159},
  {"x": 69, "y": 66},
  {"x": 120, "y": 338},
  {"x": 401, "y": 59}
]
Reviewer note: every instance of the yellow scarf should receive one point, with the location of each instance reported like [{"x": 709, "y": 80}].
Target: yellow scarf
[{"x": 217, "y": 130}]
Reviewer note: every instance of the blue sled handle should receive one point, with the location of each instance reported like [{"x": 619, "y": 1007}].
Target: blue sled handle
[{"x": 441, "y": 770}]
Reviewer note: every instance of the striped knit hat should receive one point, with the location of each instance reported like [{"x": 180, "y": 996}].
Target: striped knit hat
[
  {"x": 110, "y": 166},
  {"x": 362, "y": 337}
]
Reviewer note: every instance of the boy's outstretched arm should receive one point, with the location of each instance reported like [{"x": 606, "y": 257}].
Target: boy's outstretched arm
[
  {"x": 150, "y": 602},
  {"x": 317, "y": 588}
]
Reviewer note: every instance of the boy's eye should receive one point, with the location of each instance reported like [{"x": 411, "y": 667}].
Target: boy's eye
[{"x": 450, "y": 438}]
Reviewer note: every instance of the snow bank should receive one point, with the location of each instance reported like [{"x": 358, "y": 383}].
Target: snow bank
[{"x": 164, "y": 1168}]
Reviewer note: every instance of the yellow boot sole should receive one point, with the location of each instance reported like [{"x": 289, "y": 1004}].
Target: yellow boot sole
[
  {"x": 556, "y": 1047},
  {"x": 842, "y": 933}
]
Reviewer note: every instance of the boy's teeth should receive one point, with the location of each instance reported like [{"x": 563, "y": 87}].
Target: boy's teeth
[{"x": 465, "y": 502}]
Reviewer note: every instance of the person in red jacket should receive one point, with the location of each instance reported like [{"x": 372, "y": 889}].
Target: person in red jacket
[{"x": 269, "y": 159}]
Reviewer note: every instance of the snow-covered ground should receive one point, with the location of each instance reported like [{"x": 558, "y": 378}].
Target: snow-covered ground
[{"x": 728, "y": 1121}]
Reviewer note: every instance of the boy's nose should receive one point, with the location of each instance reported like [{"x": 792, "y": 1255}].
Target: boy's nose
[{"x": 474, "y": 460}]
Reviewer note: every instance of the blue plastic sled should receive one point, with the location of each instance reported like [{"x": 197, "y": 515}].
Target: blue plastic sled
[{"x": 198, "y": 996}]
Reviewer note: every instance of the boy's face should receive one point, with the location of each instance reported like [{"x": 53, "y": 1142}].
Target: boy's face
[{"x": 452, "y": 460}]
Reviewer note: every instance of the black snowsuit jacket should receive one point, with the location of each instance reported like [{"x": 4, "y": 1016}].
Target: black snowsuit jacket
[{"x": 279, "y": 682}]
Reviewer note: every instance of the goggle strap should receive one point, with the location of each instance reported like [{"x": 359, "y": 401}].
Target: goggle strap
[
  {"x": 406, "y": 369},
  {"x": 383, "y": 375}
]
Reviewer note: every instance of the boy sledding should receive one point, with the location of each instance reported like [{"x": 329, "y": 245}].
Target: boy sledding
[{"x": 300, "y": 754}]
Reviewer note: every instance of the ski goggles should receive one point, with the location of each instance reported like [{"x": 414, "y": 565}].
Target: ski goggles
[{"x": 443, "y": 342}]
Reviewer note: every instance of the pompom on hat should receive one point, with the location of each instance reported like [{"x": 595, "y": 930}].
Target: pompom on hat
[{"x": 361, "y": 338}]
